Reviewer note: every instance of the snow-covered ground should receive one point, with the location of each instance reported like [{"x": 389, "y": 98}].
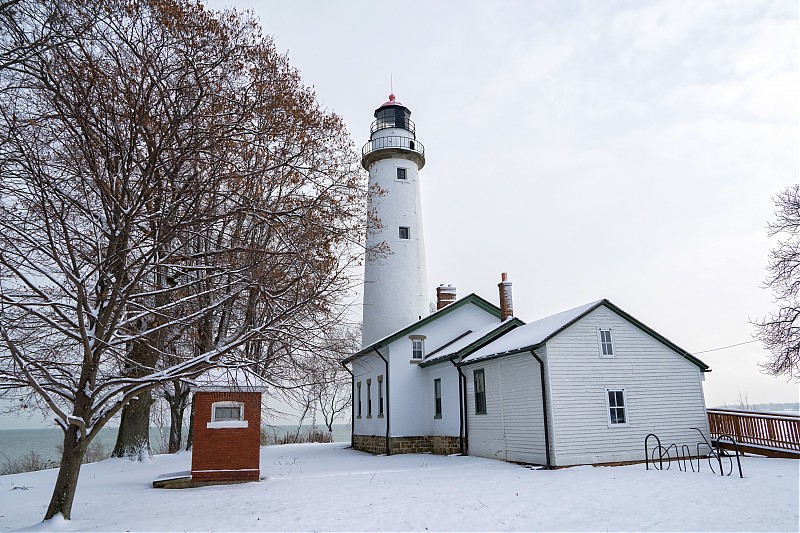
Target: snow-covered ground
[{"x": 328, "y": 487}]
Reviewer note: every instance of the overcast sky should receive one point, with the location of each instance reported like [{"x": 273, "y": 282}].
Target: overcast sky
[{"x": 620, "y": 150}]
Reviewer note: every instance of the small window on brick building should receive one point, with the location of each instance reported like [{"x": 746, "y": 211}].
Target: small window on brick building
[
  {"x": 404, "y": 233},
  {"x": 226, "y": 411},
  {"x": 401, "y": 174}
]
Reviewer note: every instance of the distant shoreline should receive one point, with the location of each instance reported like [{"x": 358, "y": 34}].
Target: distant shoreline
[{"x": 16, "y": 443}]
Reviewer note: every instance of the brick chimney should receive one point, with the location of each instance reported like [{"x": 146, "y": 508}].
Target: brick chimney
[
  {"x": 506, "y": 305},
  {"x": 445, "y": 295}
]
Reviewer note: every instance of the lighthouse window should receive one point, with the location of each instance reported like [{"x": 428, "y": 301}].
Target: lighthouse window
[
  {"x": 401, "y": 173},
  {"x": 405, "y": 232}
]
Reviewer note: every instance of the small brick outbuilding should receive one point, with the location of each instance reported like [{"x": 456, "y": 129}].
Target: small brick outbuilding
[{"x": 226, "y": 442}]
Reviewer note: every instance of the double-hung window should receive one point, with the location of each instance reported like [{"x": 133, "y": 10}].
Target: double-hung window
[
  {"x": 606, "y": 344},
  {"x": 369, "y": 398},
  {"x": 617, "y": 407},
  {"x": 380, "y": 396},
  {"x": 417, "y": 349},
  {"x": 401, "y": 173},
  {"x": 359, "y": 398},
  {"x": 437, "y": 398},
  {"x": 404, "y": 233},
  {"x": 479, "y": 382}
]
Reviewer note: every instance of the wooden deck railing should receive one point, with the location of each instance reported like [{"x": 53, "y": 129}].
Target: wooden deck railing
[{"x": 758, "y": 432}]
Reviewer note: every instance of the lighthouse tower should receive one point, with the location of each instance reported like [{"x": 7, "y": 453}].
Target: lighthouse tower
[{"x": 395, "y": 278}]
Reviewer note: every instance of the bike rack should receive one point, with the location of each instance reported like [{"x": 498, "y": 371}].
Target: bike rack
[{"x": 683, "y": 454}]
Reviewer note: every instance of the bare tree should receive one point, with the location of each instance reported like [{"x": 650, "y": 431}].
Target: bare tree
[
  {"x": 28, "y": 27},
  {"x": 334, "y": 396},
  {"x": 332, "y": 390},
  {"x": 780, "y": 331},
  {"x": 177, "y": 397},
  {"x": 166, "y": 177}
]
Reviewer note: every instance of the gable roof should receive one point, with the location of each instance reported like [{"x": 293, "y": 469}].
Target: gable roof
[
  {"x": 471, "y": 341},
  {"x": 472, "y": 298},
  {"x": 536, "y": 334}
]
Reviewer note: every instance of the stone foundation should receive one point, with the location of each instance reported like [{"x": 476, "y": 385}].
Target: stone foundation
[
  {"x": 440, "y": 445},
  {"x": 369, "y": 443}
]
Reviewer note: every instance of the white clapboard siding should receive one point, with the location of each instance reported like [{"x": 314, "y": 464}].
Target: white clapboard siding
[
  {"x": 512, "y": 428},
  {"x": 523, "y": 420},
  {"x": 663, "y": 389},
  {"x": 486, "y": 431}
]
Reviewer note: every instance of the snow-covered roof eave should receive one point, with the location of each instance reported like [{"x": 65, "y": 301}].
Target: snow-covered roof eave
[
  {"x": 229, "y": 379},
  {"x": 482, "y": 338},
  {"x": 385, "y": 341},
  {"x": 468, "y": 361}
]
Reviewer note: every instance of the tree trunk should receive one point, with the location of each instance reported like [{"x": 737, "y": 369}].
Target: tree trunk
[
  {"x": 133, "y": 438},
  {"x": 67, "y": 480},
  {"x": 191, "y": 427},
  {"x": 177, "y": 406}
]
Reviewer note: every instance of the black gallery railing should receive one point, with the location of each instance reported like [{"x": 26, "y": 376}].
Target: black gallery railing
[{"x": 393, "y": 141}]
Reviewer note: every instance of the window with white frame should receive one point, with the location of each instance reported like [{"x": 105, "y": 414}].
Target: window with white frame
[
  {"x": 404, "y": 233},
  {"x": 380, "y": 396},
  {"x": 401, "y": 174},
  {"x": 617, "y": 407},
  {"x": 227, "y": 411},
  {"x": 417, "y": 348},
  {"x": 358, "y": 387},
  {"x": 479, "y": 383},
  {"x": 606, "y": 343},
  {"x": 437, "y": 398}
]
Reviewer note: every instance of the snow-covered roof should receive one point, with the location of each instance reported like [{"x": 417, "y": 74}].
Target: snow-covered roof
[
  {"x": 449, "y": 350},
  {"x": 537, "y": 333},
  {"x": 471, "y": 298},
  {"x": 531, "y": 334},
  {"x": 224, "y": 379}
]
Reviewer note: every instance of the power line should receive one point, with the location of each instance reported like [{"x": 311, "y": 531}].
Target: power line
[{"x": 726, "y": 347}]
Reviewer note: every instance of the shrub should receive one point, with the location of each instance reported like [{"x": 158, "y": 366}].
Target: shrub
[
  {"x": 270, "y": 437},
  {"x": 29, "y": 462}
]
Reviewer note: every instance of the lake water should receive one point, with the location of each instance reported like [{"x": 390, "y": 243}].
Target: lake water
[{"x": 15, "y": 443}]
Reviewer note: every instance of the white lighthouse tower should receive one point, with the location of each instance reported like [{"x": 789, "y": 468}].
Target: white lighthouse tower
[{"x": 395, "y": 279}]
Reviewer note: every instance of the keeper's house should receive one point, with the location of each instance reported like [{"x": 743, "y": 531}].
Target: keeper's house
[{"x": 584, "y": 386}]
